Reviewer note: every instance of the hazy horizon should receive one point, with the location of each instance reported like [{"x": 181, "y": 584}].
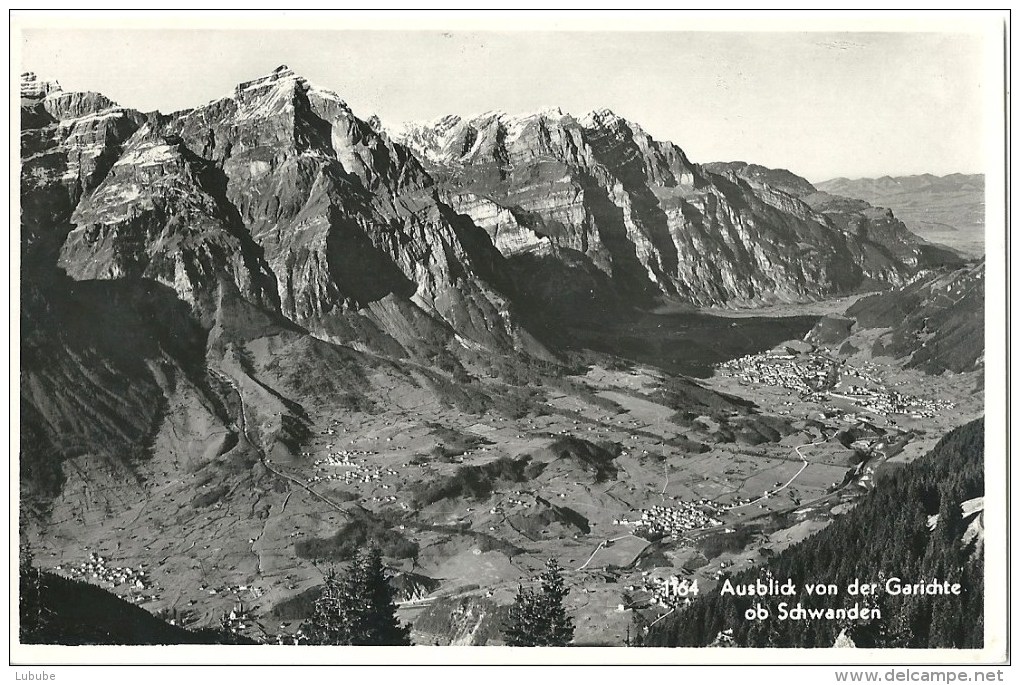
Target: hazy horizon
[{"x": 823, "y": 105}]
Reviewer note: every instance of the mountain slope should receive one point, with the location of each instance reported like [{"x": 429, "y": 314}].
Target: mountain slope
[
  {"x": 77, "y": 613},
  {"x": 597, "y": 192},
  {"x": 886, "y": 535},
  {"x": 847, "y": 213},
  {"x": 936, "y": 322},
  {"x": 949, "y": 210},
  {"x": 279, "y": 189}
]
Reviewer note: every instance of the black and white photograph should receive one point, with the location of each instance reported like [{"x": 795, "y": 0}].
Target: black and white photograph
[{"x": 465, "y": 333}]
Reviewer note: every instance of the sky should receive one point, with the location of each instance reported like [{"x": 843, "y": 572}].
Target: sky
[{"x": 820, "y": 104}]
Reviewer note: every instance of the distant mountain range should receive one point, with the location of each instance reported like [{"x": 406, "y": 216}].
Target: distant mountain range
[
  {"x": 202, "y": 291},
  {"x": 158, "y": 243},
  {"x": 587, "y": 199},
  {"x": 949, "y": 210}
]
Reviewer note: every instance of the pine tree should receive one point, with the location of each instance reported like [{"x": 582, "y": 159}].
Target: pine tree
[
  {"x": 950, "y": 521},
  {"x": 356, "y": 608},
  {"x": 381, "y": 625},
  {"x": 31, "y": 610},
  {"x": 332, "y": 615},
  {"x": 554, "y": 591},
  {"x": 539, "y": 619},
  {"x": 524, "y": 624}
]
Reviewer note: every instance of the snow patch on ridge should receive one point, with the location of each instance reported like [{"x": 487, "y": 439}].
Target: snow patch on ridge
[
  {"x": 148, "y": 155},
  {"x": 89, "y": 118}
]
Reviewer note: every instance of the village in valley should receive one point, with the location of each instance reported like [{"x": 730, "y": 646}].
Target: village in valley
[
  {"x": 817, "y": 376},
  {"x": 677, "y": 503}
]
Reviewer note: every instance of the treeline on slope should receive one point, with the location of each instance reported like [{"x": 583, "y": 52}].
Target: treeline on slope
[
  {"x": 477, "y": 482},
  {"x": 61, "y": 611},
  {"x": 363, "y": 530},
  {"x": 885, "y": 535},
  {"x": 937, "y": 322}
]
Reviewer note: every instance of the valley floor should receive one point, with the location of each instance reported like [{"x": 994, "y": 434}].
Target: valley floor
[{"x": 687, "y": 495}]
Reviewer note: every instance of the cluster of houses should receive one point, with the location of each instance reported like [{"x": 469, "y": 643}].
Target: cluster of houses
[
  {"x": 736, "y": 503},
  {"x": 670, "y": 592},
  {"x": 805, "y": 374},
  {"x": 669, "y": 520},
  {"x": 356, "y": 471},
  {"x": 864, "y": 370},
  {"x": 342, "y": 457},
  {"x": 816, "y": 377},
  {"x": 509, "y": 503},
  {"x": 883, "y": 402},
  {"x": 332, "y": 430},
  {"x": 239, "y": 621},
  {"x": 231, "y": 590},
  {"x": 96, "y": 569}
]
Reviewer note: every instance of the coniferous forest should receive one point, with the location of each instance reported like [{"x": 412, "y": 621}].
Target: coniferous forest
[{"x": 889, "y": 533}]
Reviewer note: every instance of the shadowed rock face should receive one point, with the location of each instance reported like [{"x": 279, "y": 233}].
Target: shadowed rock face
[
  {"x": 278, "y": 189},
  {"x": 156, "y": 215},
  {"x": 638, "y": 210},
  {"x": 69, "y": 142}
]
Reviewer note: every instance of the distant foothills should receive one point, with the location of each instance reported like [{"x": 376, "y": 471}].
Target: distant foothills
[{"x": 949, "y": 210}]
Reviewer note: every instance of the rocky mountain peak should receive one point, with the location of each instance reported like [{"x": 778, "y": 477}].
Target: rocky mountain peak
[
  {"x": 757, "y": 175},
  {"x": 278, "y": 190},
  {"x": 602, "y": 118},
  {"x": 47, "y": 99},
  {"x": 34, "y": 88},
  {"x": 280, "y": 73},
  {"x": 276, "y": 92},
  {"x": 639, "y": 211},
  {"x": 544, "y": 113}
]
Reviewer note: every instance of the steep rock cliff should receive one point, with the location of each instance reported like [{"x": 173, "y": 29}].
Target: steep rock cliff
[
  {"x": 600, "y": 188},
  {"x": 277, "y": 188}
]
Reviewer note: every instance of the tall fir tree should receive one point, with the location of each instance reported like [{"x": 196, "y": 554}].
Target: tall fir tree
[
  {"x": 381, "y": 624},
  {"x": 357, "y": 607},
  {"x": 524, "y": 624},
  {"x": 32, "y": 613},
  {"x": 539, "y": 618}
]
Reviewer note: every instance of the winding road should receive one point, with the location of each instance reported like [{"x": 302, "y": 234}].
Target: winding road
[
  {"x": 603, "y": 544},
  {"x": 243, "y": 425},
  {"x": 787, "y": 484}
]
